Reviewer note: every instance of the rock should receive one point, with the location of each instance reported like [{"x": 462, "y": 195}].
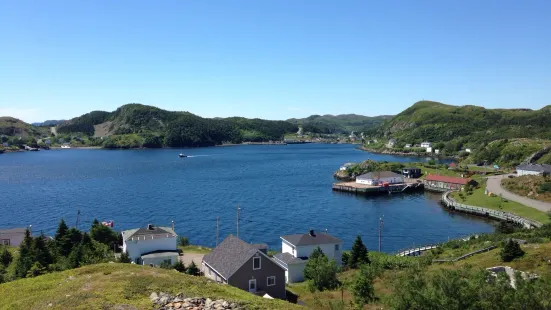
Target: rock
[
  {"x": 225, "y": 304},
  {"x": 163, "y": 300},
  {"x": 50, "y": 305},
  {"x": 170, "y": 305},
  {"x": 177, "y": 299},
  {"x": 153, "y": 297},
  {"x": 177, "y": 305}
]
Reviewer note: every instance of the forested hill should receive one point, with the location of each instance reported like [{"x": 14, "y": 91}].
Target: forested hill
[
  {"x": 133, "y": 124},
  {"x": 465, "y": 125},
  {"x": 344, "y": 123}
]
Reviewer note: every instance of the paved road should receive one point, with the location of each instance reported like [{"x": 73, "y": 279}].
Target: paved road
[{"x": 494, "y": 186}]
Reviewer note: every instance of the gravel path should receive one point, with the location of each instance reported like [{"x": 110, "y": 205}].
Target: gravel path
[
  {"x": 187, "y": 258},
  {"x": 494, "y": 186}
]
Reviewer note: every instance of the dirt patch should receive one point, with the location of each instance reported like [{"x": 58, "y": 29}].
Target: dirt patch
[
  {"x": 103, "y": 129},
  {"x": 187, "y": 258}
]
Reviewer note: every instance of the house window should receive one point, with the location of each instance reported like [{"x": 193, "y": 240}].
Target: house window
[
  {"x": 5, "y": 242},
  {"x": 256, "y": 263},
  {"x": 270, "y": 281},
  {"x": 336, "y": 247}
]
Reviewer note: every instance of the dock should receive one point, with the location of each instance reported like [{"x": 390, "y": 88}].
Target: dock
[{"x": 356, "y": 188}]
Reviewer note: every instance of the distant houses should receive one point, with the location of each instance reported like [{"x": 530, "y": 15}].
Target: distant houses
[
  {"x": 534, "y": 169},
  {"x": 295, "y": 250},
  {"x": 379, "y": 178},
  {"x": 411, "y": 172},
  {"x": 12, "y": 237},
  {"x": 426, "y": 145},
  {"x": 346, "y": 166},
  {"x": 408, "y": 146},
  {"x": 151, "y": 245},
  {"x": 391, "y": 143},
  {"x": 245, "y": 266}
]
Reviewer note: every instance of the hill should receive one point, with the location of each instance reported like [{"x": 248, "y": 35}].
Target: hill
[
  {"x": 119, "y": 286},
  {"x": 344, "y": 123},
  {"x": 13, "y": 127},
  {"x": 469, "y": 126},
  {"x": 136, "y": 125},
  {"x": 49, "y": 123},
  {"x": 512, "y": 152}
]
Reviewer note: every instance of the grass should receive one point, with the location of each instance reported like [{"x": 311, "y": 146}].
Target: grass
[
  {"x": 197, "y": 249},
  {"x": 479, "y": 199},
  {"x": 119, "y": 286},
  {"x": 528, "y": 186}
]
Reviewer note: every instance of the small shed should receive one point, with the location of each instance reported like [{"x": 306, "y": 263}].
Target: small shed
[{"x": 411, "y": 172}]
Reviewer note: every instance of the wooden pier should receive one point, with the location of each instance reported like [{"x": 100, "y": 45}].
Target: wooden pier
[{"x": 356, "y": 188}]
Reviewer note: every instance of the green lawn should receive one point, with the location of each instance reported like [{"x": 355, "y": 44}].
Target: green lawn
[
  {"x": 195, "y": 249},
  {"x": 479, "y": 199},
  {"x": 119, "y": 286}
]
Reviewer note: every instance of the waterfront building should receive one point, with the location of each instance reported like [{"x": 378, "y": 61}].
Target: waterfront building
[
  {"x": 426, "y": 145},
  {"x": 534, "y": 169},
  {"x": 151, "y": 245},
  {"x": 346, "y": 166},
  {"x": 379, "y": 178},
  {"x": 296, "y": 249},
  {"x": 12, "y": 237}
]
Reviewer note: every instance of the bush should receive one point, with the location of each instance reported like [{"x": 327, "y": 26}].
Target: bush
[
  {"x": 510, "y": 251},
  {"x": 180, "y": 267},
  {"x": 545, "y": 188},
  {"x": 321, "y": 272},
  {"x": 5, "y": 257},
  {"x": 124, "y": 258},
  {"x": 183, "y": 241},
  {"x": 362, "y": 289},
  {"x": 193, "y": 270}
]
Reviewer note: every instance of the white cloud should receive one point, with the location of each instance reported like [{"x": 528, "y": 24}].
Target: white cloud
[{"x": 27, "y": 115}]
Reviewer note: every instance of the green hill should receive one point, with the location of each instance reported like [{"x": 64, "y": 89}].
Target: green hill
[
  {"x": 465, "y": 126},
  {"x": 344, "y": 123},
  {"x": 13, "y": 127},
  {"x": 136, "y": 125},
  {"x": 119, "y": 286}
]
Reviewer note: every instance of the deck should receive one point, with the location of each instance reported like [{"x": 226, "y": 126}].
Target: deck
[{"x": 353, "y": 187}]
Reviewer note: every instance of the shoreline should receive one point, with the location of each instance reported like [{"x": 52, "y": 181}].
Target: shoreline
[{"x": 386, "y": 152}]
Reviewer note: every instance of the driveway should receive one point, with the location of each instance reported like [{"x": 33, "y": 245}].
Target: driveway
[
  {"x": 187, "y": 258},
  {"x": 494, "y": 186}
]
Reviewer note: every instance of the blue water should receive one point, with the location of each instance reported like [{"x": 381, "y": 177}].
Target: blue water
[{"x": 280, "y": 189}]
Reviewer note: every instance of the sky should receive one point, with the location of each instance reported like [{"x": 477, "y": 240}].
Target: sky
[{"x": 272, "y": 59}]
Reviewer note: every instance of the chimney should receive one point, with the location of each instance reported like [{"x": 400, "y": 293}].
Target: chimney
[
  {"x": 312, "y": 233},
  {"x": 149, "y": 227}
]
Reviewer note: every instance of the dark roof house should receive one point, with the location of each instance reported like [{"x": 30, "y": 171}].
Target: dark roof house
[
  {"x": 245, "y": 266},
  {"x": 311, "y": 239},
  {"x": 542, "y": 169}
]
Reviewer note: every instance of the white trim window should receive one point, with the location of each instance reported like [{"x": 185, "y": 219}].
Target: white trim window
[
  {"x": 252, "y": 285},
  {"x": 270, "y": 281},
  {"x": 256, "y": 263}
]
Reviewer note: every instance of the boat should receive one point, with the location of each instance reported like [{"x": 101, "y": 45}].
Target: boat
[
  {"x": 181, "y": 155},
  {"x": 65, "y": 146},
  {"x": 108, "y": 223}
]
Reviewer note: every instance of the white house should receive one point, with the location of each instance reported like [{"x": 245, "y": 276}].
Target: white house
[
  {"x": 151, "y": 245},
  {"x": 426, "y": 144},
  {"x": 346, "y": 166},
  {"x": 428, "y": 150},
  {"x": 391, "y": 143},
  {"x": 295, "y": 250},
  {"x": 534, "y": 169},
  {"x": 12, "y": 237},
  {"x": 468, "y": 150},
  {"x": 437, "y": 151},
  {"x": 408, "y": 146},
  {"x": 378, "y": 177}
]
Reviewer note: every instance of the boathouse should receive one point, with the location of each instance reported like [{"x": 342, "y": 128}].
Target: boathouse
[
  {"x": 442, "y": 183},
  {"x": 411, "y": 172},
  {"x": 379, "y": 178}
]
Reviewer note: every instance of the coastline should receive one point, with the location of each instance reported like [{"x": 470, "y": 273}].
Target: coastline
[{"x": 413, "y": 154}]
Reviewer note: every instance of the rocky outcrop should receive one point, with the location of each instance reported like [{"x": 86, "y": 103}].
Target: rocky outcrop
[
  {"x": 164, "y": 301},
  {"x": 532, "y": 158}
]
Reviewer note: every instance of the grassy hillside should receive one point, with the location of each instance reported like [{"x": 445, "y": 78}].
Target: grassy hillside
[
  {"x": 458, "y": 127},
  {"x": 344, "y": 123},
  {"x": 509, "y": 152},
  {"x": 118, "y": 286},
  {"x": 531, "y": 186},
  {"x": 13, "y": 127}
]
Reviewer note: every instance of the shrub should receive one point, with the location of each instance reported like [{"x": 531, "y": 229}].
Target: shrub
[
  {"x": 192, "y": 269},
  {"x": 321, "y": 272},
  {"x": 124, "y": 258},
  {"x": 545, "y": 188},
  {"x": 510, "y": 251},
  {"x": 5, "y": 257},
  {"x": 180, "y": 267},
  {"x": 183, "y": 241},
  {"x": 362, "y": 289}
]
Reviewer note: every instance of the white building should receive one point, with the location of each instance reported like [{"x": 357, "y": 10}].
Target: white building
[
  {"x": 379, "y": 177},
  {"x": 12, "y": 237},
  {"x": 534, "y": 169},
  {"x": 428, "y": 150},
  {"x": 151, "y": 245},
  {"x": 408, "y": 146},
  {"x": 437, "y": 151},
  {"x": 468, "y": 150},
  {"x": 346, "y": 166},
  {"x": 295, "y": 250},
  {"x": 390, "y": 143},
  {"x": 426, "y": 144}
]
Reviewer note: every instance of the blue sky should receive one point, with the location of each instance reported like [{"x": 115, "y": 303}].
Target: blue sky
[{"x": 271, "y": 59}]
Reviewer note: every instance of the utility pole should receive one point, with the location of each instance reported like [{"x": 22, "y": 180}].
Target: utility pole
[
  {"x": 217, "y": 218},
  {"x": 238, "y": 209},
  {"x": 380, "y": 231},
  {"x": 78, "y": 218}
]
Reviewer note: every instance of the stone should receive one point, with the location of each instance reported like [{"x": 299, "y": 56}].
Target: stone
[
  {"x": 177, "y": 305},
  {"x": 170, "y": 305},
  {"x": 225, "y": 304},
  {"x": 153, "y": 297},
  {"x": 163, "y": 300},
  {"x": 177, "y": 299}
]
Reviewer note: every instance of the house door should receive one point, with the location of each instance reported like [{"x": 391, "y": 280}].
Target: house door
[{"x": 252, "y": 286}]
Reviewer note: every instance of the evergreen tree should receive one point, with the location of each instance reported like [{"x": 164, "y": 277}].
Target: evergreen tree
[
  {"x": 76, "y": 257},
  {"x": 62, "y": 229},
  {"x": 511, "y": 250},
  {"x": 5, "y": 257},
  {"x": 62, "y": 239},
  {"x": 359, "y": 254},
  {"x": 103, "y": 234},
  {"x": 25, "y": 259},
  {"x": 180, "y": 267},
  {"x": 36, "y": 270},
  {"x": 95, "y": 223},
  {"x": 321, "y": 272},
  {"x": 41, "y": 253},
  {"x": 124, "y": 258},
  {"x": 362, "y": 289},
  {"x": 192, "y": 269}
]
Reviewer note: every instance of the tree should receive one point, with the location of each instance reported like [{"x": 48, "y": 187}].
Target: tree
[
  {"x": 36, "y": 270},
  {"x": 180, "y": 267},
  {"x": 511, "y": 250},
  {"x": 103, "y": 234},
  {"x": 359, "y": 254},
  {"x": 125, "y": 258},
  {"x": 76, "y": 256},
  {"x": 321, "y": 272},
  {"x": 362, "y": 289},
  {"x": 192, "y": 269},
  {"x": 42, "y": 254},
  {"x": 317, "y": 252},
  {"x": 345, "y": 257},
  {"x": 183, "y": 241},
  {"x": 62, "y": 239},
  {"x": 5, "y": 257}
]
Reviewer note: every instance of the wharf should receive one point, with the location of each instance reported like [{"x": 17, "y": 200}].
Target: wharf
[{"x": 353, "y": 187}]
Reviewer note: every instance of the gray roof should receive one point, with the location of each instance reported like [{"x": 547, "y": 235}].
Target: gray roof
[
  {"x": 307, "y": 239},
  {"x": 379, "y": 174},
  {"x": 535, "y": 167},
  {"x": 230, "y": 255},
  {"x": 287, "y": 258},
  {"x": 157, "y": 230},
  {"x": 13, "y": 231}
]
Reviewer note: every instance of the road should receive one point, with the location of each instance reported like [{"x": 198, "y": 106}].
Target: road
[{"x": 494, "y": 186}]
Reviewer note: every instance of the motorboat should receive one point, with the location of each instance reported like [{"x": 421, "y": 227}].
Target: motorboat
[
  {"x": 65, "y": 146},
  {"x": 182, "y": 155}
]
